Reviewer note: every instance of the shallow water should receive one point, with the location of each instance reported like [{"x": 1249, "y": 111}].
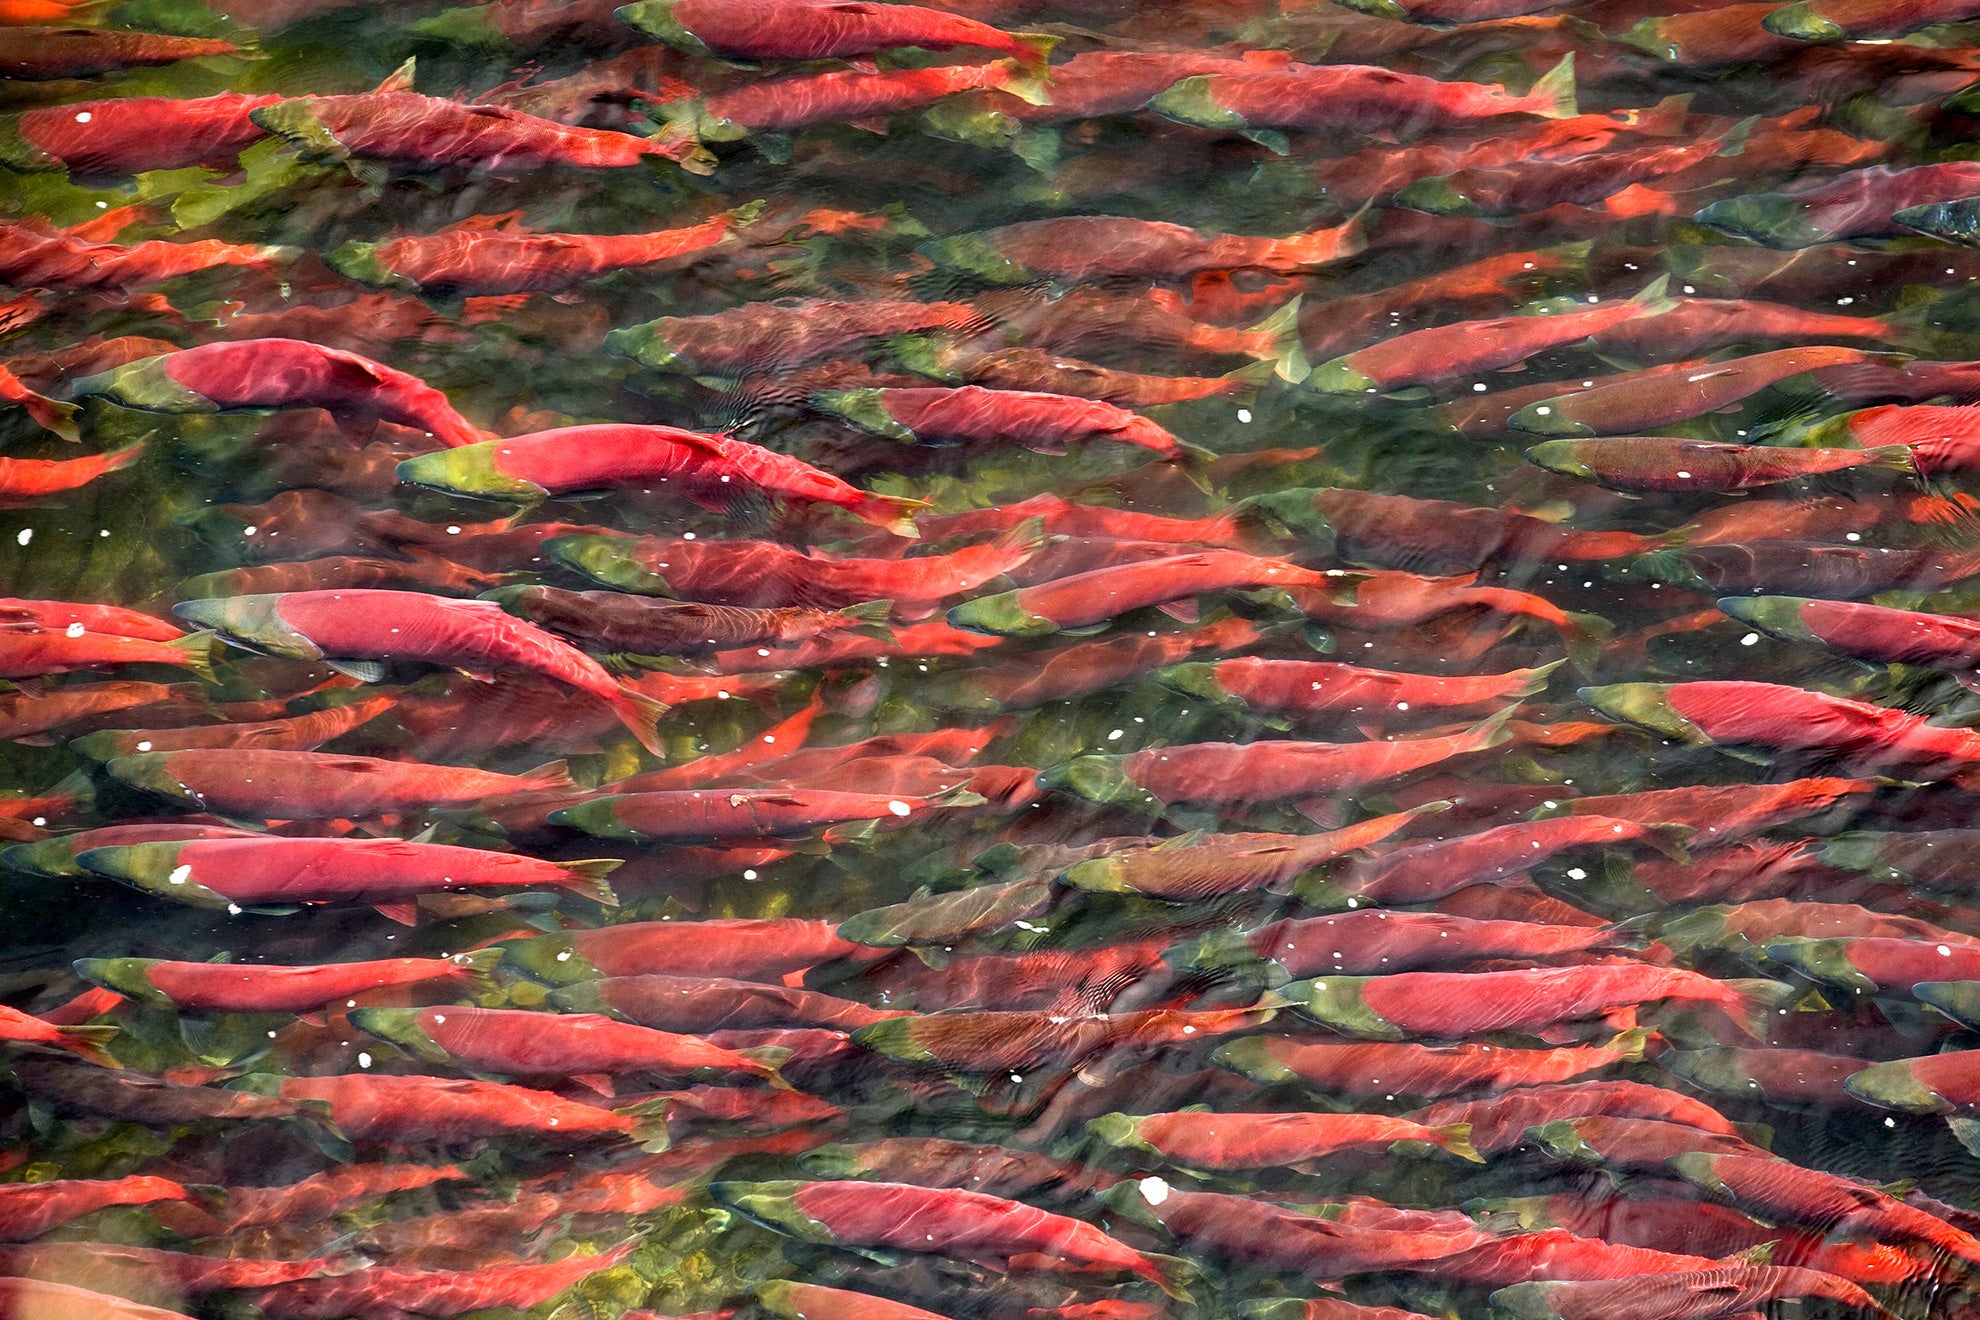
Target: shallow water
[{"x": 998, "y": 862}]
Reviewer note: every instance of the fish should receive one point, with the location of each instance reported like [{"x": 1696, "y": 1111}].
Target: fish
[
  {"x": 807, "y": 30},
  {"x": 1083, "y": 600},
  {"x": 365, "y": 1292},
  {"x": 1861, "y": 204},
  {"x": 708, "y": 1004},
  {"x": 755, "y": 949},
  {"x": 124, "y": 135},
  {"x": 1379, "y": 941},
  {"x": 357, "y": 631},
  {"x": 269, "y": 988},
  {"x": 973, "y": 415},
  {"x": 1250, "y": 1141},
  {"x": 300, "y": 733},
  {"x": 1079, "y": 248},
  {"x": 1651, "y": 463},
  {"x": 742, "y": 813},
  {"x": 1189, "y": 869},
  {"x": 1725, "y": 1291},
  {"x": 280, "y": 785},
  {"x": 521, "y": 1043},
  {"x": 377, "y": 1107},
  {"x": 29, "y": 649},
  {"x": 27, "y": 1210},
  {"x": 1386, "y": 1070},
  {"x": 27, "y": 479},
  {"x": 775, "y": 106},
  {"x": 783, "y": 333},
  {"x": 44, "y": 54},
  {"x": 1400, "y": 531},
  {"x": 280, "y": 373}
]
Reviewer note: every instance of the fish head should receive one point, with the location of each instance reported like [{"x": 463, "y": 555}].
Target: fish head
[
  {"x": 1098, "y": 779},
  {"x": 647, "y": 345},
  {"x": 1562, "y": 456},
  {"x": 1700, "y": 1169},
  {"x": 124, "y": 975},
  {"x": 894, "y": 1039},
  {"x": 1958, "y": 1000},
  {"x": 1194, "y": 101},
  {"x": 1000, "y": 616},
  {"x": 401, "y": 1027},
  {"x": 975, "y": 254},
  {"x": 554, "y": 960},
  {"x": 772, "y": 1204},
  {"x": 152, "y": 772},
  {"x": 1800, "y": 22},
  {"x": 1334, "y": 1001},
  {"x": 1857, "y": 850},
  {"x": 359, "y": 261},
  {"x": 17, "y": 153},
  {"x": 656, "y": 19},
  {"x": 1713, "y": 1069},
  {"x": 1378, "y": 9},
  {"x": 1252, "y": 1056},
  {"x": 1196, "y": 678},
  {"x": 1120, "y": 1130},
  {"x": 1894, "y": 1086},
  {"x": 469, "y": 470},
  {"x": 1293, "y": 515},
  {"x": 1438, "y": 196},
  {"x": 1525, "y": 1301},
  {"x": 254, "y": 622},
  {"x": 1098, "y": 875},
  {"x": 963, "y": 119},
  {"x": 866, "y": 409},
  {"x": 154, "y": 868},
  {"x": 1562, "y": 1139},
  {"x": 598, "y": 818},
  {"x": 782, "y": 1297},
  {"x": 1643, "y": 704},
  {"x": 103, "y": 745},
  {"x": 836, "y": 1162},
  {"x": 1648, "y": 37},
  {"x": 45, "y": 857},
  {"x": 1777, "y": 616},
  {"x": 608, "y": 560},
  {"x": 1955, "y": 222},
  {"x": 1544, "y": 418},
  {"x": 1826, "y": 961},
  {"x": 1340, "y": 377},
  {"x": 145, "y": 385},
  {"x": 1774, "y": 220}
]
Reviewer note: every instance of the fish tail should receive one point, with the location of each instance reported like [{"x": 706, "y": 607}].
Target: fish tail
[
  {"x": 91, "y": 1043},
  {"x": 871, "y": 618},
  {"x": 1023, "y": 80},
  {"x": 551, "y": 774},
  {"x": 1630, "y": 1045},
  {"x": 1553, "y": 95},
  {"x": 1173, "y": 1275},
  {"x": 1892, "y": 458},
  {"x": 1456, "y": 1138},
  {"x": 1537, "y": 680},
  {"x": 122, "y": 458},
  {"x": 1754, "y": 1001},
  {"x": 50, "y": 415},
  {"x": 1584, "y": 635},
  {"x": 1283, "y": 348},
  {"x": 1490, "y": 732},
  {"x": 1033, "y": 50},
  {"x": 587, "y": 877},
  {"x": 893, "y": 512},
  {"x": 641, "y": 714},
  {"x": 197, "y": 652},
  {"x": 740, "y": 217},
  {"x": 478, "y": 967},
  {"x": 769, "y": 1059}
]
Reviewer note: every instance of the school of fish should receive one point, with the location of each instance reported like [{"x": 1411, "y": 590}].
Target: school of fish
[{"x": 990, "y": 660}]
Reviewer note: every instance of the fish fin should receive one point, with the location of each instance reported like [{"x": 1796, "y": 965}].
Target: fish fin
[
  {"x": 893, "y": 512},
  {"x": 1966, "y": 1131},
  {"x": 1174, "y": 1276},
  {"x": 91, "y": 1043},
  {"x": 478, "y": 966},
  {"x": 1734, "y": 142},
  {"x": 1456, "y": 1138},
  {"x": 364, "y": 671},
  {"x": 198, "y": 651},
  {"x": 1184, "y": 610},
  {"x": 641, "y": 714},
  {"x": 1555, "y": 90},
  {"x": 1287, "y": 354},
  {"x": 1584, "y": 637},
  {"x": 599, "y": 1082},
  {"x": 50, "y": 415},
  {"x": 398, "y": 80},
  {"x": 1630, "y": 1045},
  {"x": 587, "y": 879},
  {"x": 555, "y": 774},
  {"x": 406, "y": 914},
  {"x": 1025, "y": 82}
]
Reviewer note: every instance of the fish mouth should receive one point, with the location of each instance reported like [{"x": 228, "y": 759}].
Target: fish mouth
[
  {"x": 1826, "y": 961},
  {"x": 1955, "y": 222},
  {"x": 359, "y": 261},
  {"x": 1895, "y": 1086},
  {"x": 1000, "y": 616},
  {"x": 1542, "y": 419},
  {"x": 772, "y": 1204},
  {"x": 150, "y": 772},
  {"x": 605, "y": 561},
  {"x": 1098, "y": 779},
  {"x": 401, "y": 1027},
  {"x": 1337, "y": 377}
]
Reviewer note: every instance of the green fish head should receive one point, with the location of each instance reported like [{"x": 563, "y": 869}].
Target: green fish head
[
  {"x": 1712, "y": 1069},
  {"x": 471, "y": 25},
  {"x": 295, "y": 121},
  {"x": 1772, "y": 219},
  {"x": 1340, "y": 377},
  {"x": 359, "y": 261},
  {"x": 1777, "y": 616},
  {"x": 1436, "y": 197},
  {"x": 975, "y": 254},
  {"x": 866, "y": 409},
  {"x": 1525, "y": 1301},
  {"x": 469, "y": 470},
  {"x": 1546, "y": 418},
  {"x": 1648, "y": 37},
  {"x": 401, "y": 1027},
  {"x": 144, "y": 385},
  {"x": 1562, "y": 456},
  {"x": 1826, "y": 961},
  {"x": 1378, "y": 9},
  {"x": 647, "y": 345},
  {"x": 836, "y": 1163},
  {"x": 1289, "y": 515},
  {"x": 17, "y": 153},
  {"x": 254, "y": 622},
  {"x": 554, "y": 960},
  {"x": 1643, "y": 704},
  {"x": 152, "y": 867},
  {"x": 1195, "y": 678},
  {"x": 656, "y": 19},
  {"x": 607, "y": 560},
  {"x": 103, "y": 745},
  {"x": 1098, "y": 779},
  {"x": 1253, "y": 1057},
  {"x": 1335, "y": 1001},
  {"x": 781, "y": 1297},
  {"x": 893, "y": 1038},
  {"x": 596, "y": 818},
  {"x": 1000, "y": 616},
  {"x": 1895, "y": 1086},
  {"x": 772, "y": 1204},
  {"x": 1194, "y": 101},
  {"x": 1561, "y": 1139},
  {"x": 1800, "y": 22},
  {"x": 961, "y": 119},
  {"x": 1700, "y": 1169},
  {"x": 1099, "y": 875},
  {"x": 1855, "y": 850},
  {"x": 1958, "y": 1000},
  {"x": 1955, "y": 222},
  {"x": 152, "y": 772},
  {"x": 47, "y": 857},
  {"x": 124, "y": 975},
  {"x": 1119, "y": 1130}
]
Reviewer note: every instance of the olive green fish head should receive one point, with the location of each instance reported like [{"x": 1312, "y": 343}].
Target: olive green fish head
[
  {"x": 1548, "y": 417},
  {"x": 103, "y": 745},
  {"x": 1525, "y": 1301},
  {"x": 1713, "y": 1069},
  {"x": 656, "y": 19},
  {"x": 975, "y": 254},
  {"x": 1377, "y": 8},
  {"x": 1195, "y": 678},
  {"x": 152, "y": 772},
  {"x": 1772, "y": 219},
  {"x": 17, "y": 153},
  {"x": 1856, "y": 850},
  {"x": 401, "y": 1027},
  {"x": 1334, "y": 1001},
  {"x": 254, "y": 622},
  {"x": 1100, "y": 779},
  {"x": 554, "y": 960},
  {"x": 127, "y": 976},
  {"x": 772, "y": 1204},
  {"x": 963, "y": 119},
  {"x": 1531, "y": 1213},
  {"x": 471, "y": 25},
  {"x": 1826, "y": 961},
  {"x": 608, "y": 560},
  {"x": 1562, "y": 456},
  {"x": 154, "y": 868},
  {"x": 866, "y": 409},
  {"x": 1644, "y": 704},
  {"x": 1122, "y": 1131},
  {"x": 598, "y": 818},
  {"x": 1288, "y": 515},
  {"x": 1700, "y": 1169},
  {"x": 836, "y": 1162},
  {"x": 1955, "y": 222},
  {"x": 1439, "y": 196},
  {"x": 1000, "y": 616},
  {"x": 45, "y": 857},
  {"x": 1777, "y": 616},
  {"x": 359, "y": 261},
  {"x": 781, "y": 1297},
  {"x": 144, "y": 385},
  {"x": 1895, "y": 1086},
  {"x": 1194, "y": 101},
  {"x": 1958, "y": 1000},
  {"x": 296, "y": 121},
  {"x": 1562, "y": 1139},
  {"x": 1340, "y": 377},
  {"x": 1252, "y": 1056},
  {"x": 1099, "y": 875},
  {"x": 1800, "y": 22},
  {"x": 1648, "y": 37},
  {"x": 648, "y": 345},
  {"x": 469, "y": 470},
  {"x": 894, "y": 1038}
]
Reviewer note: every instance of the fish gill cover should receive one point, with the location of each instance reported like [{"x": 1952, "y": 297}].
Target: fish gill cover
[{"x": 1004, "y": 660}]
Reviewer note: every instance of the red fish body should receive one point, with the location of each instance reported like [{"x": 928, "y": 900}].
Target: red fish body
[
  {"x": 768, "y": 336},
  {"x": 300, "y": 733},
  {"x": 1375, "y": 941},
  {"x": 1101, "y": 247},
  {"x": 112, "y": 620},
  {"x": 29, "y": 649},
  {"x": 276, "y": 785},
  {"x": 1225, "y": 863},
  {"x": 1372, "y": 697},
  {"x": 484, "y": 262},
  {"x": 782, "y": 105},
  {"x": 27, "y": 1210},
  {"x": 756, "y": 950},
  {"x": 267, "y": 988},
  {"x": 703, "y": 1004},
  {"x": 739, "y": 813},
  {"x": 31, "y": 478},
  {"x": 385, "y": 1292},
  {"x": 1385, "y": 1069},
  {"x": 1426, "y": 872},
  {"x": 132, "y": 134},
  {"x": 1362, "y": 98},
  {"x": 526, "y": 1044},
  {"x": 36, "y": 256},
  {"x": 40, "y": 54},
  {"x": 1468, "y": 348},
  {"x": 281, "y": 373},
  {"x": 816, "y": 29},
  {"x": 973, "y": 415},
  {"x": 1203, "y": 1140},
  {"x": 1097, "y": 596},
  {"x": 368, "y": 1107}
]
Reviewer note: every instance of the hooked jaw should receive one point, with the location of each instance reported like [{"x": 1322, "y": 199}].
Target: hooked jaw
[
  {"x": 1958, "y": 1000},
  {"x": 596, "y": 818},
  {"x": 1777, "y": 616},
  {"x": 152, "y": 867},
  {"x": 975, "y": 254},
  {"x": 144, "y": 385},
  {"x": 894, "y": 1038},
  {"x": 1826, "y": 961},
  {"x": 1895, "y": 1086},
  {"x": 254, "y": 622},
  {"x": 150, "y": 771},
  {"x": 1642, "y": 704},
  {"x": 468, "y": 470},
  {"x": 359, "y": 261},
  {"x": 1337, "y": 377},
  {"x": 124, "y": 975},
  {"x": 1562, "y": 456},
  {"x": 1544, "y": 418},
  {"x": 401, "y": 1027},
  {"x": 1194, "y": 679},
  {"x": 604, "y": 560},
  {"x": 656, "y": 19},
  {"x": 1000, "y": 616},
  {"x": 1335, "y": 1001},
  {"x": 1955, "y": 222},
  {"x": 866, "y": 409},
  {"x": 772, "y": 1204}
]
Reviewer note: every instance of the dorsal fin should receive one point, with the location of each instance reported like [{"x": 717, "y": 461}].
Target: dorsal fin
[{"x": 398, "y": 80}]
